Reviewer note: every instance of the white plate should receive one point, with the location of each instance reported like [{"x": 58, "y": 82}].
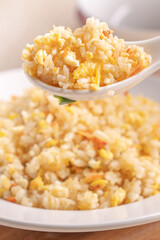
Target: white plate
[{"x": 145, "y": 211}]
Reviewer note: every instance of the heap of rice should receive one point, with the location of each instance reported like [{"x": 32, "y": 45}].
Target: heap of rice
[
  {"x": 88, "y": 58},
  {"x": 85, "y": 155}
]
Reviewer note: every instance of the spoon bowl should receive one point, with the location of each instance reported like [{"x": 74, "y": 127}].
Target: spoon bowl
[{"x": 151, "y": 46}]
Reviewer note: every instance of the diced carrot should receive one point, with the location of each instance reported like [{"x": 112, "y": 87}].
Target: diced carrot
[
  {"x": 106, "y": 33},
  {"x": 11, "y": 199},
  {"x": 126, "y": 93},
  {"x": 98, "y": 143}
]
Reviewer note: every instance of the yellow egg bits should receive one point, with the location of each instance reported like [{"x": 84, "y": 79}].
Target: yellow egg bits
[{"x": 88, "y": 58}]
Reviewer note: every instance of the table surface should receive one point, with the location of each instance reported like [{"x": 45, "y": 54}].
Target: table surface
[{"x": 144, "y": 232}]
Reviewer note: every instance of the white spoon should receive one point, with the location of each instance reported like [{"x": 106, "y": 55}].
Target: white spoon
[{"x": 151, "y": 46}]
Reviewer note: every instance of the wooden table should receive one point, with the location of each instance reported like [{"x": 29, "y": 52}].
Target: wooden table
[{"x": 144, "y": 232}]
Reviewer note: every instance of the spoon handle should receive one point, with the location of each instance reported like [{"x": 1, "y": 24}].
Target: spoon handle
[{"x": 149, "y": 41}]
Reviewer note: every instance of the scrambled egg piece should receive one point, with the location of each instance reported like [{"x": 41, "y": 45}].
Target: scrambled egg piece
[
  {"x": 36, "y": 183},
  {"x": 118, "y": 197},
  {"x": 105, "y": 154},
  {"x": 85, "y": 69}
]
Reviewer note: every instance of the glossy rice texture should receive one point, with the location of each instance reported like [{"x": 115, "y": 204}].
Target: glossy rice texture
[
  {"x": 85, "y": 155},
  {"x": 88, "y": 58}
]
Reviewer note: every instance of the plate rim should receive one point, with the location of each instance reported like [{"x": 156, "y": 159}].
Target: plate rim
[{"x": 51, "y": 227}]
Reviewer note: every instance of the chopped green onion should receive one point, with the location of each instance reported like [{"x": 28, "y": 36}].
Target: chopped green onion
[{"x": 63, "y": 100}]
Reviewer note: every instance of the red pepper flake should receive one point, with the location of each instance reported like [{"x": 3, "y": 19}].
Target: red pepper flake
[
  {"x": 11, "y": 199},
  {"x": 98, "y": 143}
]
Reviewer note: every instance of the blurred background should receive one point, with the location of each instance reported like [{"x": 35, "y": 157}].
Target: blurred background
[{"x": 22, "y": 20}]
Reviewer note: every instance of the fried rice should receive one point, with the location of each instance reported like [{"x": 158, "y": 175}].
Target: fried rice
[
  {"x": 88, "y": 58},
  {"x": 85, "y": 155}
]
